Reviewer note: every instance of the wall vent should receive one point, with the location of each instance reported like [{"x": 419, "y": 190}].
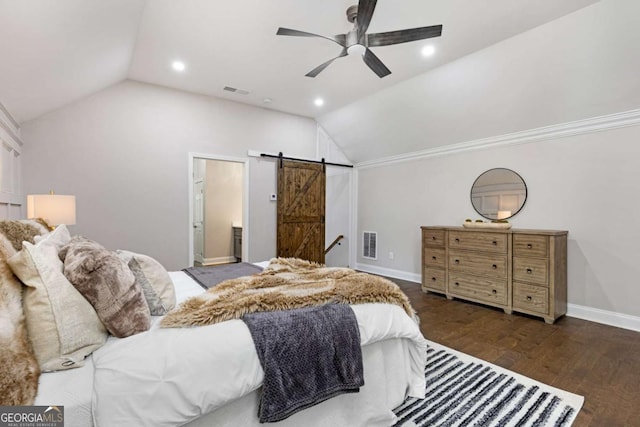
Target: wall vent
[
  {"x": 236, "y": 90},
  {"x": 369, "y": 245}
]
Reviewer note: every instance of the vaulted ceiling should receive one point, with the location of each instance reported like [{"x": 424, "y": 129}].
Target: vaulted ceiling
[{"x": 56, "y": 52}]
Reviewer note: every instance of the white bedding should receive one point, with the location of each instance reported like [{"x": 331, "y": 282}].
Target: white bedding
[{"x": 168, "y": 377}]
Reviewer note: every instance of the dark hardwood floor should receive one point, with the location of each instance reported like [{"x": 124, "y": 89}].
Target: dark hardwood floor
[{"x": 599, "y": 362}]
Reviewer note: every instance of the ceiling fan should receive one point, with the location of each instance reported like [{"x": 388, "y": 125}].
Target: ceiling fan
[{"x": 357, "y": 40}]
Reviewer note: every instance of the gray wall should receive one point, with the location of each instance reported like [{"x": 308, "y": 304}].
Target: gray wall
[
  {"x": 581, "y": 66},
  {"x": 585, "y": 184},
  {"x": 123, "y": 153}
]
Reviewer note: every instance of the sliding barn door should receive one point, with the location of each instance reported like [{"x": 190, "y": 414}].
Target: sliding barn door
[{"x": 301, "y": 198}]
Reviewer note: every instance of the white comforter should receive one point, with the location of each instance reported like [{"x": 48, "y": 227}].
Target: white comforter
[{"x": 167, "y": 377}]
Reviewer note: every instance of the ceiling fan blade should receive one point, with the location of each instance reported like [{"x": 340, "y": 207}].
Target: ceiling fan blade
[
  {"x": 403, "y": 36},
  {"x": 365, "y": 13},
  {"x": 340, "y": 39},
  {"x": 375, "y": 64},
  {"x": 322, "y": 66}
]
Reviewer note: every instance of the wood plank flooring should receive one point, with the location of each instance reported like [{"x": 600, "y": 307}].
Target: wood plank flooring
[{"x": 599, "y": 362}]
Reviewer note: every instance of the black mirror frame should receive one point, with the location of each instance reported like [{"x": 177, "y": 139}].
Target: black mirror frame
[{"x": 526, "y": 192}]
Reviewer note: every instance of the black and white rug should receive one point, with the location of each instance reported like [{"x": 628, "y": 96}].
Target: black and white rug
[{"x": 465, "y": 391}]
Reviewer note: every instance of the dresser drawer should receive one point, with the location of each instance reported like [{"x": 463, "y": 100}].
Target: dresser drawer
[
  {"x": 433, "y": 237},
  {"x": 482, "y": 265},
  {"x": 433, "y": 278},
  {"x": 482, "y": 241},
  {"x": 530, "y": 245},
  {"x": 434, "y": 257},
  {"x": 483, "y": 289},
  {"x": 531, "y": 298},
  {"x": 531, "y": 270}
]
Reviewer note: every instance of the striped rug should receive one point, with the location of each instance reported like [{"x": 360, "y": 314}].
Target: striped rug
[{"x": 465, "y": 391}]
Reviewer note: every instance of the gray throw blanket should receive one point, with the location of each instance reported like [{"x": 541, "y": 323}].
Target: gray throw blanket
[
  {"x": 308, "y": 355},
  {"x": 208, "y": 277}
]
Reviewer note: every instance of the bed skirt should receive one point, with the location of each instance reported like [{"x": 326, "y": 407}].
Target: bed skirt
[{"x": 368, "y": 408}]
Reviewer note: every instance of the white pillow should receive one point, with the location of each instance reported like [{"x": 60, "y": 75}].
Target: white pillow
[
  {"x": 63, "y": 326},
  {"x": 148, "y": 271}
]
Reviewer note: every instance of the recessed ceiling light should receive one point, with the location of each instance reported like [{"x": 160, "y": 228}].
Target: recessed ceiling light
[
  {"x": 319, "y": 102},
  {"x": 428, "y": 50},
  {"x": 178, "y": 66}
]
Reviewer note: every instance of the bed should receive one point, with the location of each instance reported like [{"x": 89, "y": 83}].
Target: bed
[{"x": 208, "y": 375}]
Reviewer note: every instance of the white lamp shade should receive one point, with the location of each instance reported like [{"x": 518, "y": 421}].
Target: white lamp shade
[{"x": 53, "y": 208}]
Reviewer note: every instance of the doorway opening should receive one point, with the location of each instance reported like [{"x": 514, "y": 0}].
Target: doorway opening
[{"x": 218, "y": 210}]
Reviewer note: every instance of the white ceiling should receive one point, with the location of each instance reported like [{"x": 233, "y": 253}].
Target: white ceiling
[{"x": 56, "y": 52}]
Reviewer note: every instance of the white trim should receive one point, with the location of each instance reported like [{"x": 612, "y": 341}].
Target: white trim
[
  {"x": 578, "y": 127},
  {"x": 11, "y": 128},
  {"x": 13, "y": 121},
  {"x": 245, "y": 202},
  {"x": 219, "y": 260},
  {"x": 353, "y": 229},
  {"x": 619, "y": 320},
  {"x": 388, "y": 272}
]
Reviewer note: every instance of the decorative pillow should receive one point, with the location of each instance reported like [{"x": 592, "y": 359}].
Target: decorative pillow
[
  {"x": 19, "y": 370},
  {"x": 63, "y": 327},
  {"x": 154, "y": 280},
  {"x": 107, "y": 283}
]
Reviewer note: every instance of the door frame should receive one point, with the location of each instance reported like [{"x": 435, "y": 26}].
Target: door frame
[{"x": 245, "y": 199}]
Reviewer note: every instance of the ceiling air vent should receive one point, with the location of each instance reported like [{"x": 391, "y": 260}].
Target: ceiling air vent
[
  {"x": 369, "y": 245},
  {"x": 236, "y": 90}
]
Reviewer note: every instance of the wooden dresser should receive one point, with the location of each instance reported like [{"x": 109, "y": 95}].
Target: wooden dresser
[{"x": 516, "y": 270}]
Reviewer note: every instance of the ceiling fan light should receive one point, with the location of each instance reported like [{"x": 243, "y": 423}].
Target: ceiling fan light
[{"x": 356, "y": 49}]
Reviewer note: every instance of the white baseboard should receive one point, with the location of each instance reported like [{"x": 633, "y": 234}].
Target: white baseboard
[
  {"x": 396, "y": 274},
  {"x": 597, "y": 315},
  {"x": 219, "y": 260},
  {"x": 610, "y": 318}
]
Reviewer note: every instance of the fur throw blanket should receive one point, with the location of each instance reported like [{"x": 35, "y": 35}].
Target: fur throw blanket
[
  {"x": 19, "y": 370},
  {"x": 287, "y": 283}
]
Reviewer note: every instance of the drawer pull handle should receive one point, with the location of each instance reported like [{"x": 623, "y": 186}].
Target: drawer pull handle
[
  {"x": 433, "y": 237},
  {"x": 457, "y": 240},
  {"x": 457, "y": 261},
  {"x": 433, "y": 278},
  {"x": 495, "y": 243},
  {"x": 434, "y": 258},
  {"x": 457, "y": 284},
  {"x": 529, "y": 246},
  {"x": 495, "y": 267},
  {"x": 493, "y": 291},
  {"x": 529, "y": 270},
  {"x": 529, "y": 298}
]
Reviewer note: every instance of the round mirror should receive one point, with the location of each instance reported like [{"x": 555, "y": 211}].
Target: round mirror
[{"x": 498, "y": 193}]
